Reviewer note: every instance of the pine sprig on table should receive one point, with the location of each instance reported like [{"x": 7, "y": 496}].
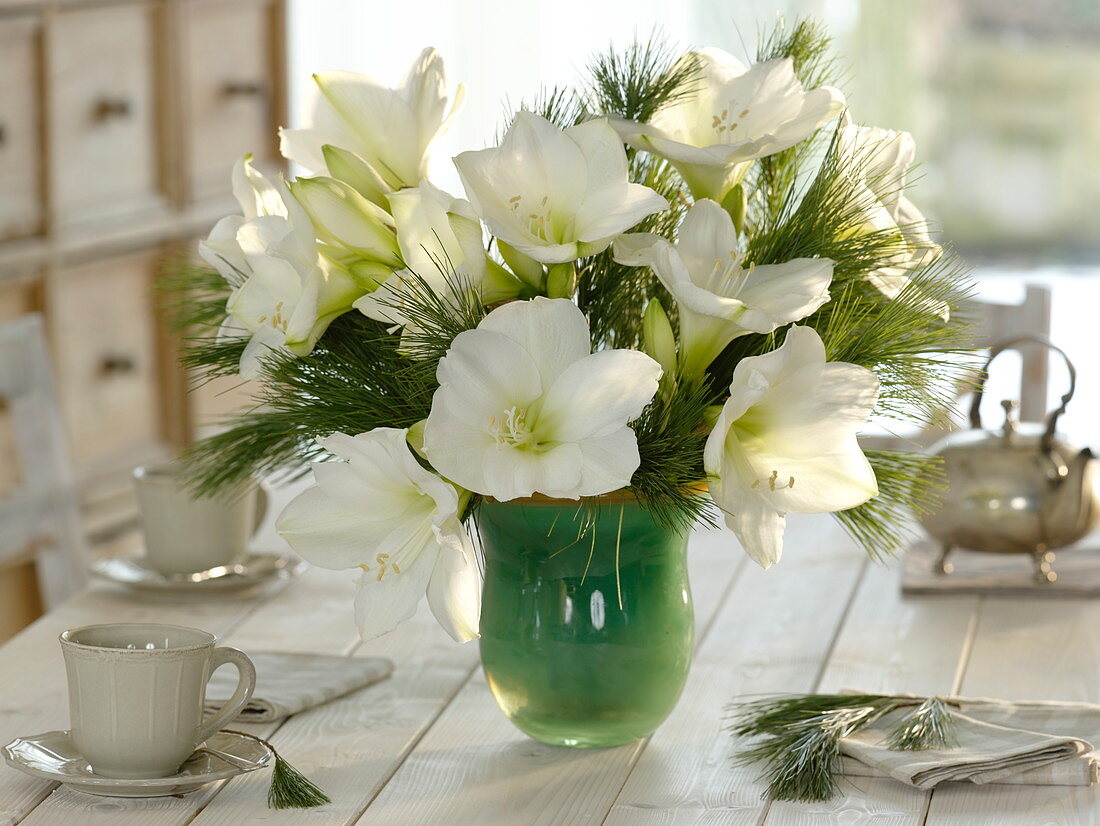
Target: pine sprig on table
[
  {"x": 289, "y": 788},
  {"x": 930, "y": 726},
  {"x": 796, "y": 738}
]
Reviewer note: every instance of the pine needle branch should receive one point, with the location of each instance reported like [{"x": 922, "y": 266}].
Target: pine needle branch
[
  {"x": 796, "y": 738},
  {"x": 929, "y": 726},
  {"x": 634, "y": 84}
]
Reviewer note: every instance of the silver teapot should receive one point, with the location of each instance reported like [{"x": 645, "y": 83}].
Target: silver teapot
[{"x": 1020, "y": 489}]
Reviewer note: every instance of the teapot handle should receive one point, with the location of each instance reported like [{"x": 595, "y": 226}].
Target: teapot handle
[{"x": 1008, "y": 344}]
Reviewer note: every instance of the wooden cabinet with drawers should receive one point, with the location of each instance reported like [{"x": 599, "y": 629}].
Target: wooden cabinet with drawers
[
  {"x": 120, "y": 121},
  {"x": 104, "y": 148},
  {"x": 228, "y": 86},
  {"x": 21, "y": 205},
  {"x": 104, "y": 339}
]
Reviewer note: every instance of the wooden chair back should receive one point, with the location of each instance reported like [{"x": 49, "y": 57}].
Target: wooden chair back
[
  {"x": 41, "y": 516},
  {"x": 995, "y": 322},
  {"x": 999, "y": 322}
]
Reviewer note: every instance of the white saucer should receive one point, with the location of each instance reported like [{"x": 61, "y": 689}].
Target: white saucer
[
  {"x": 256, "y": 569},
  {"x": 52, "y": 756}
]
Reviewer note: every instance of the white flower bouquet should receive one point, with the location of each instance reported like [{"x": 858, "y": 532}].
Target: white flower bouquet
[{"x": 689, "y": 280}]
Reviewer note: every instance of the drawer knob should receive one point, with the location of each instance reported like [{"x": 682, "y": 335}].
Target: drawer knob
[
  {"x": 107, "y": 108},
  {"x": 117, "y": 365},
  {"x": 243, "y": 89},
  {"x": 3, "y": 134}
]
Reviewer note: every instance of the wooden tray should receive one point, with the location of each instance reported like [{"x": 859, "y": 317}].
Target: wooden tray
[{"x": 1078, "y": 569}]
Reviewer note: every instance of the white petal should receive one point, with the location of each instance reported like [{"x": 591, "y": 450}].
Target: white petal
[
  {"x": 706, "y": 236},
  {"x": 801, "y": 346},
  {"x": 325, "y": 532},
  {"x": 383, "y": 122},
  {"x": 814, "y": 409},
  {"x": 603, "y": 153},
  {"x": 255, "y": 193},
  {"x": 483, "y": 374},
  {"x": 835, "y": 479},
  {"x": 598, "y": 395},
  {"x": 778, "y": 294},
  {"x": 553, "y": 331},
  {"x": 425, "y": 88},
  {"x": 613, "y": 210},
  {"x": 759, "y": 527},
  {"x": 608, "y": 462},
  {"x": 454, "y": 592},
  {"x": 222, "y": 251},
  {"x": 457, "y": 449},
  {"x": 383, "y": 604},
  {"x": 428, "y": 244},
  {"x": 513, "y": 473},
  {"x": 638, "y": 249},
  {"x": 262, "y": 344}
]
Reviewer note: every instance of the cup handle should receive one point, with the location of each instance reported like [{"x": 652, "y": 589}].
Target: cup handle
[
  {"x": 245, "y": 686},
  {"x": 263, "y": 498}
]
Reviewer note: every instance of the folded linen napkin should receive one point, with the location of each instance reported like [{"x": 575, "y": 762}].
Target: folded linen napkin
[
  {"x": 289, "y": 683},
  {"x": 1037, "y": 743}
]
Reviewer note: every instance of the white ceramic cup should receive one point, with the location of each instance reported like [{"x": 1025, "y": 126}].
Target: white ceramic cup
[
  {"x": 184, "y": 534},
  {"x": 136, "y": 694}
]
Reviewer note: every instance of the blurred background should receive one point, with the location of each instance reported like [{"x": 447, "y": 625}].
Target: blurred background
[{"x": 120, "y": 120}]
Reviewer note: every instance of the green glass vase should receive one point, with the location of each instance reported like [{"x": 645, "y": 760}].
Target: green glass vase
[{"x": 585, "y": 641}]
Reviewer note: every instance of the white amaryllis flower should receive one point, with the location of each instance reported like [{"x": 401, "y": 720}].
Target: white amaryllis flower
[
  {"x": 390, "y": 130},
  {"x": 381, "y": 511},
  {"x": 719, "y": 300},
  {"x": 442, "y": 245},
  {"x": 556, "y": 195},
  {"x": 733, "y": 115},
  {"x": 525, "y": 407},
  {"x": 283, "y": 295},
  {"x": 883, "y": 158},
  {"x": 785, "y": 441}
]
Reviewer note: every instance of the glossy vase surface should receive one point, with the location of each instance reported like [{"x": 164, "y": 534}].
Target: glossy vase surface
[{"x": 586, "y": 639}]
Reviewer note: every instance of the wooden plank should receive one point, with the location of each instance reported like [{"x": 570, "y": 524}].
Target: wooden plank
[
  {"x": 889, "y": 643},
  {"x": 1028, "y": 650},
  {"x": 33, "y": 694},
  {"x": 352, "y": 746},
  {"x": 474, "y": 767},
  {"x": 771, "y": 635}
]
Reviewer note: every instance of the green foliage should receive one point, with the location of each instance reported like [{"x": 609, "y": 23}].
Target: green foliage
[
  {"x": 797, "y": 737},
  {"x": 289, "y": 788},
  {"x": 808, "y": 45},
  {"x": 614, "y": 296},
  {"x": 636, "y": 83},
  {"x": 908, "y": 484},
  {"x": 671, "y": 436},
  {"x": 930, "y": 726}
]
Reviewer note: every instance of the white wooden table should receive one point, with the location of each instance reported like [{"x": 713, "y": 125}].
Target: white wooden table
[{"x": 429, "y": 746}]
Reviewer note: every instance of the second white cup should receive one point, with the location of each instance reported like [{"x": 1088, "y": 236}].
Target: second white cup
[{"x": 185, "y": 534}]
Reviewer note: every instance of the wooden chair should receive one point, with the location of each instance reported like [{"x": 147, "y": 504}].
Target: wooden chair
[
  {"x": 996, "y": 322},
  {"x": 41, "y": 517}
]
